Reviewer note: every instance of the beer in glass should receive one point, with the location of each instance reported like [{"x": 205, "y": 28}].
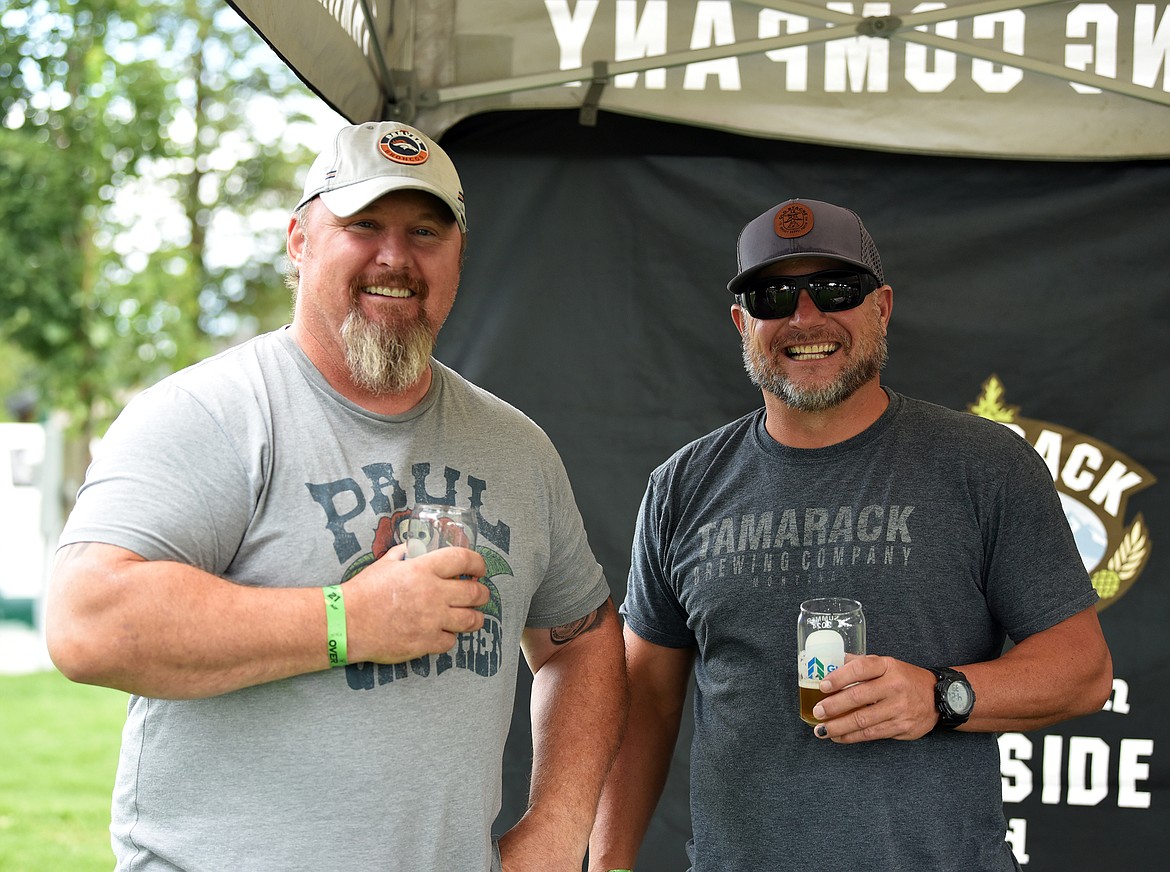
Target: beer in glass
[{"x": 827, "y": 630}]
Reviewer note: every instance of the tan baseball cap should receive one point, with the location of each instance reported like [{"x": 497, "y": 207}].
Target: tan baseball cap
[{"x": 366, "y": 161}]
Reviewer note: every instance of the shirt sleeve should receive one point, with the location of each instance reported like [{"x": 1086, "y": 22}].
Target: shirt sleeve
[
  {"x": 1035, "y": 576},
  {"x": 652, "y": 608},
  {"x": 167, "y": 483},
  {"x": 575, "y": 584}
]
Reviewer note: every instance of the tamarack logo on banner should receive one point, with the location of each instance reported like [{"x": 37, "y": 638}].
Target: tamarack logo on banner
[{"x": 1094, "y": 481}]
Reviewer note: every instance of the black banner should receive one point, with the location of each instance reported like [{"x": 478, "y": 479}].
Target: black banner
[{"x": 1034, "y": 293}]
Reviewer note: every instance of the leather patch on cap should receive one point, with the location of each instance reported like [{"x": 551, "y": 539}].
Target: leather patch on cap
[{"x": 795, "y": 219}]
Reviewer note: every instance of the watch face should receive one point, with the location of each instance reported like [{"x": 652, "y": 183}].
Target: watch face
[{"x": 958, "y": 697}]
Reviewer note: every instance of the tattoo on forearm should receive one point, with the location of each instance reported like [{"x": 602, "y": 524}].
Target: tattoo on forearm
[{"x": 568, "y": 632}]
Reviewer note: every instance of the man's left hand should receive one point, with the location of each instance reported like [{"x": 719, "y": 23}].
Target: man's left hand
[{"x": 874, "y": 697}]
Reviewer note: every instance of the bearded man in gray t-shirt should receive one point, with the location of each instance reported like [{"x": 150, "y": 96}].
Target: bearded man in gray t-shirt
[
  {"x": 302, "y": 697},
  {"x": 946, "y": 527}
]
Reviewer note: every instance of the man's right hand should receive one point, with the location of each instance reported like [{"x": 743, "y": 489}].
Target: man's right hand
[{"x": 397, "y": 610}]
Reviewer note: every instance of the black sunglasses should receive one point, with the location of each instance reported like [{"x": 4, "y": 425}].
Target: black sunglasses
[{"x": 831, "y": 290}]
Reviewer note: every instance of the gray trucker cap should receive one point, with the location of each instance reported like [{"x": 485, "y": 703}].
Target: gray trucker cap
[{"x": 804, "y": 228}]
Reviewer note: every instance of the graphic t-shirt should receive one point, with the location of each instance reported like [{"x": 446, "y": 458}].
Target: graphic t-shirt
[
  {"x": 250, "y": 466},
  {"x": 947, "y": 529}
]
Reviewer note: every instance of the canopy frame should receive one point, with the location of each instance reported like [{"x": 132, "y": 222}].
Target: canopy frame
[{"x": 838, "y": 25}]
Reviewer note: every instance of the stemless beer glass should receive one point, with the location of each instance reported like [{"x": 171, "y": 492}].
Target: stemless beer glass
[
  {"x": 432, "y": 526},
  {"x": 827, "y": 630}
]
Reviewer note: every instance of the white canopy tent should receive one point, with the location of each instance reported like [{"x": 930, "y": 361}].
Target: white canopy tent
[{"x": 1032, "y": 79}]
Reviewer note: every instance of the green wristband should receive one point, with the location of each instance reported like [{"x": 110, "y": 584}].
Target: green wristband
[{"x": 335, "y": 624}]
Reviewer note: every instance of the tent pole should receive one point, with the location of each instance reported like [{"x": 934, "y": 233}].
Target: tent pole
[
  {"x": 391, "y": 107},
  {"x": 589, "y": 106}
]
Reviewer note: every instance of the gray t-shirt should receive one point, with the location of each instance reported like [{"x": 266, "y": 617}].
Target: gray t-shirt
[
  {"x": 948, "y": 530},
  {"x": 251, "y": 467}
]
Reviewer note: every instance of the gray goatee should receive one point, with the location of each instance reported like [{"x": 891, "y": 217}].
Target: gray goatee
[{"x": 386, "y": 358}]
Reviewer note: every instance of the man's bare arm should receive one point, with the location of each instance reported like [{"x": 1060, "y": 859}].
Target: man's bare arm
[
  {"x": 579, "y": 701},
  {"x": 164, "y": 629},
  {"x": 658, "y": 687},
  {"x": 1056, "y": 674}
]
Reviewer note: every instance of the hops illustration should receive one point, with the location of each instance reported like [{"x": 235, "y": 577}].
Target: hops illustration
[
  {"x": 1106, "y": 582},
  {"x": 990, "y": 404},
  {"x": 1125, "y": 563}
]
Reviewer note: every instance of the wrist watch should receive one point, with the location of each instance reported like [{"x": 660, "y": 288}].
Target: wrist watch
[{"x": 953, "y": 697}]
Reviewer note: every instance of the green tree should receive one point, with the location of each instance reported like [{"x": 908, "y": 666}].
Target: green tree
[{"x": 148, "y": 165}]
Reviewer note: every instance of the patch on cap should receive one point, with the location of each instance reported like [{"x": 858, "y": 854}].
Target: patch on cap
[
  {"x": 795, "y": 219},
  {"x": 402, "y": 146}
]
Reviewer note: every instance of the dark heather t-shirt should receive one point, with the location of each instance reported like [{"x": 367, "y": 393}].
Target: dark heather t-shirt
[{"x": 948, "y": 530}]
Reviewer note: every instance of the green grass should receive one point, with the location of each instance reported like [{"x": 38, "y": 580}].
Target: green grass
[{"x": 58, "y": 754}]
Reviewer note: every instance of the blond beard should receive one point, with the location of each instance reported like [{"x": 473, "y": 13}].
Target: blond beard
[
  {"x": 386, "y": 358},
  {"x": 766, "y": 374}
]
